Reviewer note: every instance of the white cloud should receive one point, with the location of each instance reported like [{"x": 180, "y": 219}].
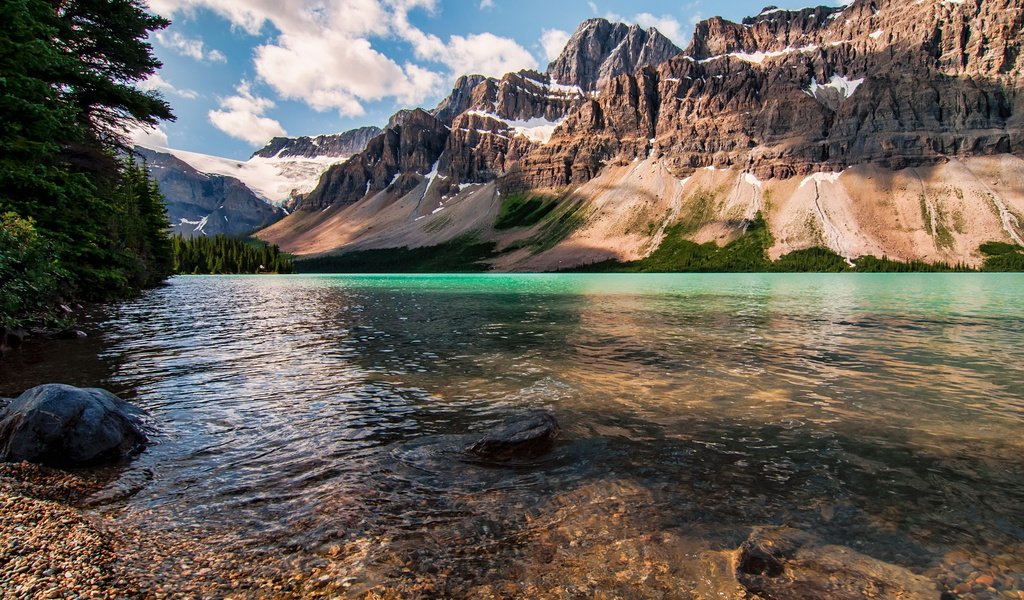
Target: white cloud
[
  {"x": 343, "y": 73},
  {"x": 553, "y": 41},
  {"x": 148, "y": 137},
  {"x": 190, "y": 47},
  {"x": 479, "y": 53},
  {"x": 322, "y": 54},
  {"x": 241, "y": 117},
  {"x": 157, "y": 83},
  {"x": 486, "y": 4},
  {"x": 486, "y": 54},
  {"x": 668, "y": 26}
]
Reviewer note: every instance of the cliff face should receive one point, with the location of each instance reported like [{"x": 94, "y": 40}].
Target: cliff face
[
  {"x": 202, "y": 204},
  {"x": 897, "y": 89},
  {"x": 600, "y": 50},
  {"x": 790, "y": 93},
  {"x": 337, "y": 145},
  {"x": 487, "y": 124}
]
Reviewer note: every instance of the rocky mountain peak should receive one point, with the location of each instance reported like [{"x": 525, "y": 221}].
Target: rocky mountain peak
[
  {"x": 600, "y": 50},
  {"x": 335, "y": 145}
]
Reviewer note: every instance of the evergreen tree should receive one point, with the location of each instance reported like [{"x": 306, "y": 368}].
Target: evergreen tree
[{"x": 68, "y": 70}]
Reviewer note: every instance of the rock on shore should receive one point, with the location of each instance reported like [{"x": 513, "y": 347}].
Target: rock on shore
[{"x": 63, "y": 425}]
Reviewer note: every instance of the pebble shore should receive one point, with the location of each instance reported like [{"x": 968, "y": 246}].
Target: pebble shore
[{"x": 49, "y": 548}]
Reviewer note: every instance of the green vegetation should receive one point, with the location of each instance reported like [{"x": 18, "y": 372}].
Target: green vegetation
[
  {"x": 78, "y": 222},
  {"x": 463, "y": 254},
  {"x": 29, "y": 276},
  {"x": 222, "y": 255},
  {"x": 811, "y": 260},
  {"x": 676, "y": 254},
  {"x": 524, "y": 210},
  {"x": 873, "y": 264},
  {"x": 555, "y": 227},
  {"x": 1002, "y": 257},
  {"x": 749, "y": 253}
]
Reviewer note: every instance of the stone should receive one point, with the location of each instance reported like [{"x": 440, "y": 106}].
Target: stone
[
  {"x": 522, "y": 436},
  {"x": 781, "y": 562},
  {"x": 61, "y": 425},
  {"x": 71, "y": 334},
  {"x": 12, "y": 338}
]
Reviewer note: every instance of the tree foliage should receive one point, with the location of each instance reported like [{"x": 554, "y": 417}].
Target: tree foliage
[
  {"x": 222, "y": 255},
  {"x": 68, "y": 97}
]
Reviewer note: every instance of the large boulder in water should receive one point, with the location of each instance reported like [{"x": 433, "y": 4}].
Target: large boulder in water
[
  {"x": 781, "y": 562},
  {"x": 61, "y": 425},
  {"x": 522, "y": 436}
]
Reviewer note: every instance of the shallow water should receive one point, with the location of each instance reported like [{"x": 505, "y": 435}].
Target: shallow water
[{"x": 319, "y": 419}]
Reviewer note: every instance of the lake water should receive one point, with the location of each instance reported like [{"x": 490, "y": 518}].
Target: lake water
[{"x": 315, "y": 422}]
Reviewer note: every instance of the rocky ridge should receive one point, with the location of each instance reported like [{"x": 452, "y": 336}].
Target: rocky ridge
[
  {"x": 789, "y": 93},
  {"x": 206, "y": 204},
  {"x": 342, "y": 145},
  {"x": 912, "y": 94},
  {"x": 487, "y": 123}
]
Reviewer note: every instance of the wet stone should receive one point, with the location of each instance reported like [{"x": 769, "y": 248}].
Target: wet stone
[
  {"x": 61, "y": 425},
  {"x": 522, "y": 436}
]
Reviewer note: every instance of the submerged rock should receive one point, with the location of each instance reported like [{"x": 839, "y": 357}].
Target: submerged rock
[
  {"x": 70, "y": 334},
  {"x": 61, "y": 425},
  {"x": 11, "y": 338},
  {"x": 522, "y": 436},
  {"x": 780, "y": 562}
]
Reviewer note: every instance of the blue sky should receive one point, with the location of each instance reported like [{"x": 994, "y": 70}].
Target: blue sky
[{"x": 238, "y": 72}]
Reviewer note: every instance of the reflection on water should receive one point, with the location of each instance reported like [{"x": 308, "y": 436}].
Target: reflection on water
[{"x": 320, "y": 418}]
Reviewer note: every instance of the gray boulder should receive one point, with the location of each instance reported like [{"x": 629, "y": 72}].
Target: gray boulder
[
  {"x": 781, "y": 562},
  {"x": 522, "y": 436},
  {"x": 61, "y": 425}
]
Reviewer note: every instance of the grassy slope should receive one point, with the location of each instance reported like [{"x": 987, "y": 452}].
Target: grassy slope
[{"x": 558, "y": 217}]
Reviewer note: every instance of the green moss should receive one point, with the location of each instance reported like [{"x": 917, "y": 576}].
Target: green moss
[{"x": 464, "y": 254}]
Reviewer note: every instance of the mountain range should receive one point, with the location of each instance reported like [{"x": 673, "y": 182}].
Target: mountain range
[{"x": 878, "y": 128}]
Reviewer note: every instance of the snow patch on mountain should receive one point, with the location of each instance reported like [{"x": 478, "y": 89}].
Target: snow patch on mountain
[{"x": 273, "y": 180}]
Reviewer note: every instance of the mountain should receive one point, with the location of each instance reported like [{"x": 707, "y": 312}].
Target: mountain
[
  {"x": 337, "y": 145},
  {"x": 253, "y": 191},
  {"x": 205, "y": 204},
  {"x": 600, "y": 50},
  {"x": 880, "y": 128}
]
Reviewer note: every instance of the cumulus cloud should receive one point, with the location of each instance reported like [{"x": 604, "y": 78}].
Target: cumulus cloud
[
  {"x": 486, "y": 4},
  {"x": 322, "y": 53},
  {"x": 190, "y": 47},
  {"x": 481, "y": 53},
  {"x": 157, "y": 83},
  {"x": 241, "y": 117},
  {"x": 149, "y": 137},
  {"x": 668, "y": 25},
  {"x": 553, "y": 41}
]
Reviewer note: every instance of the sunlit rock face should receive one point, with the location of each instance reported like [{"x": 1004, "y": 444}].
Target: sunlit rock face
[{"x": 792, "y": 92}]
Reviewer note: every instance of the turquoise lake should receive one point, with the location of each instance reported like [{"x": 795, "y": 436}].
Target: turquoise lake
[{"x": 311, "y": 423}]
